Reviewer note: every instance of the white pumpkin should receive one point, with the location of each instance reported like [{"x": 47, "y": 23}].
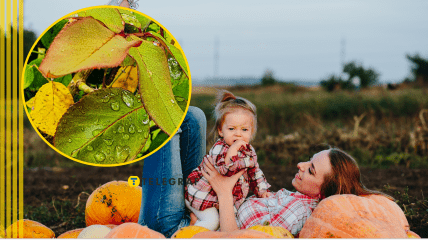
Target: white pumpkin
[{"x": 94, "y": 231}]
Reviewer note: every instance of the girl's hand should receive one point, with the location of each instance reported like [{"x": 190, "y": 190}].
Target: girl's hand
[
  {"x": 222, "y": 185},
  {"x": 233, "y": 150}
]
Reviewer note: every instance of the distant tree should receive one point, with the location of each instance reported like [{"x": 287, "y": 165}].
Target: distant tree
[
  {"x": 29, "y": 39},
  {"x": 331, "y": 83},
  {"x": 419, "y": 68},
  {"x": 367, "y": 77},
  {"x": 268, "y": 78}
]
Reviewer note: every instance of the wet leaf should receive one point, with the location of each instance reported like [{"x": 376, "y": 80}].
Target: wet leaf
[
  {"x": 50, "y": 103},
  {"x": 107, "y": 126},
  {"x": 176, "y": 52},
  {"x": 126, "y": 78},
  {"x": 33, "y": 78},
  {"x": 155, "y": 86},
  {"x": 30, "y": 104},
  {"x": 109, "y": 16},
  {"x": 84, "y": 44},
  {"x": 128, "y": 61}
]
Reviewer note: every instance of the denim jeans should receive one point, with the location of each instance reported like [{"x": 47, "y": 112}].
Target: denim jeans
[{"x": 165, "y": 173}]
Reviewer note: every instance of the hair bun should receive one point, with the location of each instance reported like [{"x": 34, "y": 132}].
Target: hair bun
[{"x": 226, "y": 96}]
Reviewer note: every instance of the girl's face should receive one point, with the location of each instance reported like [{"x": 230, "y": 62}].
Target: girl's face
[
  {"x": 311, "y": 174},
  {"x": 238, "y": 125}
]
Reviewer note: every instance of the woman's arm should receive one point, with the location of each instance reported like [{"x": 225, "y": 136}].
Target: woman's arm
[{"x": 223, "y": 187}]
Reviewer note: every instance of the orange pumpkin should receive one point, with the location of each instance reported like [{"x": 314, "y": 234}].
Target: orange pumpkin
[
  {"x": 351, "y": 216},
  {"x": 133, "y": 230},
  {"x": 71, "y": 234},
  {"x": 31, "y": 229},
  {"x": 189, "y": 231},
  {"x": 246, "y": 233},
  {"x": 274, "y": 231},
  {"x": 113, "y": 203},
  {"x": 411, "y": 234}
]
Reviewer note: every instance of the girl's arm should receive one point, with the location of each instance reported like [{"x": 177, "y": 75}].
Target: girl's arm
[{"x": 223, "y": 187}]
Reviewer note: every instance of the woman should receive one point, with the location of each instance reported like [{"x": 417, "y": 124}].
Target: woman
[{"x": 329, "y": 172}]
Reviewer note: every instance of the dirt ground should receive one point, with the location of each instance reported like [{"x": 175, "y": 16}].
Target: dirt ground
[{"x": 47, "y": 184}]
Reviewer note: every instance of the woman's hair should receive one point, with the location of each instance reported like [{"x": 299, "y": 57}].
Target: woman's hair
[
  {"x": 226, "y": 103},
  {"x": 345, "y": 177}
]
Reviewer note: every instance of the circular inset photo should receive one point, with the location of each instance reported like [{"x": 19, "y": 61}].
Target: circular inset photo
[{"x": 106, "y": 86}]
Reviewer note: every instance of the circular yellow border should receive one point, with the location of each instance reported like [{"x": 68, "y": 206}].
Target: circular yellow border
[{"x": 105, "y": 165}]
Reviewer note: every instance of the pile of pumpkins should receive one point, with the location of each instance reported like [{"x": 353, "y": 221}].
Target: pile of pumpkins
[{"x": 112, "y": 211}]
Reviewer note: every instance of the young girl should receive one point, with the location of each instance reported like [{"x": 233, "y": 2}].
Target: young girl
[{"x": 236, "y": 125}]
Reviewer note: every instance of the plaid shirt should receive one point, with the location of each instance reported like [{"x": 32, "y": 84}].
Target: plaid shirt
[
  {"x": 289, "y": 210},
  {"x": 201, "y": 195}
]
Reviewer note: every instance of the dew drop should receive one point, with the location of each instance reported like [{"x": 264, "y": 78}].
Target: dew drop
[
  {"x": 90, "y": 148},
  {"x": 106, "y": 98},
  {"x": 145, "y": 121},
  {"x": 140, "y": 130},
  {"x": 128, "y": 99},
  {"x": 109, "y": 142},
  {"x": 126, "y": 136},
  {"x": 69, "y": 140},
  {"x": 99, "y": 157},
  {"x": 121, "y": 129},
  {"x": 131, "y": 129},
  {"x": 96, "y": 132},
  {"x": 172, "y": 101},
  {"x": 146, "y": 135},
  {"x": 115, "y": 106}
]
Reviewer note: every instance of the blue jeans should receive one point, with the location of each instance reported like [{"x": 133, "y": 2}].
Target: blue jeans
[{"x": 165, "y": 173}]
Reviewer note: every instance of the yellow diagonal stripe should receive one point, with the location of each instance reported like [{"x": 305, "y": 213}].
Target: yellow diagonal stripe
[
  {"x": 21, "y": 119},
  {"x": 2, "y": 117}
]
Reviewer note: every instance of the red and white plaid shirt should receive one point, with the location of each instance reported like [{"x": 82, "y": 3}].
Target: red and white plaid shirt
[
  {"x": 289, "y": 210},
  {"x": 199, "y": 192}
]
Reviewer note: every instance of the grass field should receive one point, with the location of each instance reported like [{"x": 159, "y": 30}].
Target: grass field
[{"x": 382, "y": 129}]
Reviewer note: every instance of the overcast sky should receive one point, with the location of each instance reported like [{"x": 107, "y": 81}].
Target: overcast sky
[{"x": 297, "y": 40}]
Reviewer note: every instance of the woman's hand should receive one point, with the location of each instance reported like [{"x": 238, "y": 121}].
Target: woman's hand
[{"x": 221, "y": 185}]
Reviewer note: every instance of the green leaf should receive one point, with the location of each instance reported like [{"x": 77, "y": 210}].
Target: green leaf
[
  {"x": 28, "y": 76},
  {"x": 130, "y": 19},
  {"x": 84, "y": 44},
  {"x": 107, "y": 126},
  {"x": 153, "y": 27},
  {"x": 49, "y": 35},
  {"x": 37, "y": 80},
  {"x": 182, "y": 88},
  {"x": 157, "y": 141},
  {"x": 155, "y": 86},
  {"x": 108, "y": 16},
  {"x": 175, "y": 52}
]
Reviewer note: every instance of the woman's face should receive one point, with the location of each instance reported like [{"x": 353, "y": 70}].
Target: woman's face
[{"x": 311, "y": 174}]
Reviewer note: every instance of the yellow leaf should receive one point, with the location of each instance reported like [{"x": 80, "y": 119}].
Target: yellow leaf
[
  {"x": 30, "y": 103},
  {"x": 50, "y": 103},
  {"x": 126, "y": 78}
]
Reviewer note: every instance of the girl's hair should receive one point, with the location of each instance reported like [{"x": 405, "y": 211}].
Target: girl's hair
[
  {"x": 345, "y": 177},
  {"x": 226, "y": 103}
]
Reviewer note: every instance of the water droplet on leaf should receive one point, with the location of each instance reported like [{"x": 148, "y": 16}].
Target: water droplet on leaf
[
  {"x": 145, "y": 121},
  {"x": 99, "y": 156},
  {"x": 128, "y": 99},
  {"x": 131, "y": 128},
  {"x": 121, "y": 129},
  {"x": 125, "y": 136},
  {"x": 69, "y": 140},
  {"x": 115, "y": 106},
  {"x": 109, "y": 142},
  {"x": 96, "y": 132},
  {"x": 90, "y": 148}
]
